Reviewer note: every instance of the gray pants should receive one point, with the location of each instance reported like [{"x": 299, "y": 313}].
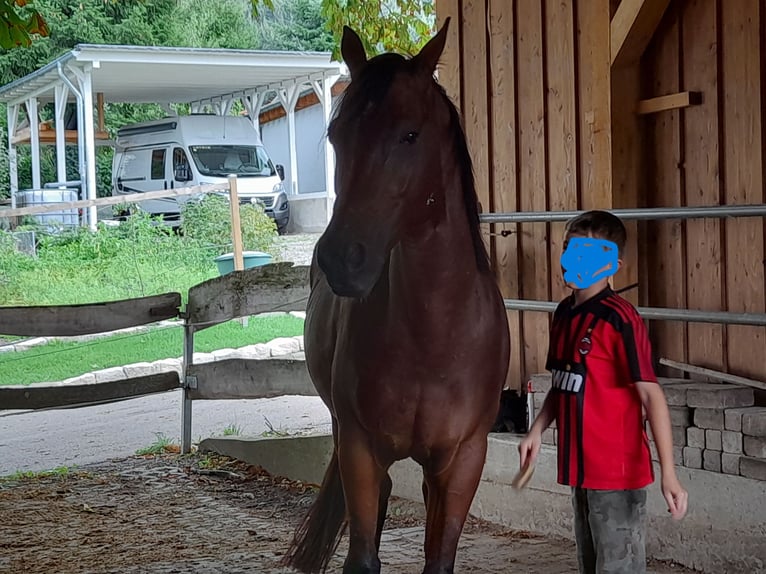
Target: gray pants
[{"x": 610, "y": 530}]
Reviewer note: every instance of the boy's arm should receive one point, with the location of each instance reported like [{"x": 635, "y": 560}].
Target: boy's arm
[
  {"x": 653, "y": 400},
  {"x": 546, "y": 415},
  {"x": 529, "y": 447}
]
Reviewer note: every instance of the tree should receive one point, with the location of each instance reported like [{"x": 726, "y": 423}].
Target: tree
[{"x": 391, "y": 25}]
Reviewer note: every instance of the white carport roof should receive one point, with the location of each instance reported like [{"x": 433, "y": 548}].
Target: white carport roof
[
  {"x": 201, "y": 77},
  {"x": 150, "y": 74}
]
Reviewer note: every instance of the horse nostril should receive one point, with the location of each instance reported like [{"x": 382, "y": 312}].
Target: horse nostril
[{"x": 355, "y": 256}]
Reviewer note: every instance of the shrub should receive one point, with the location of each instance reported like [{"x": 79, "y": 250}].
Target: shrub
[{"x": 208, "y": 222}]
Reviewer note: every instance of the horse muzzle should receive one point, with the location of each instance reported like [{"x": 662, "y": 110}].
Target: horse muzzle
[{"x": 351, "y": 270}]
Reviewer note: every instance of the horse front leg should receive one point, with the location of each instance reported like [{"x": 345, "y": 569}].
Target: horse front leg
[
  {"x": 450, "y": 493},
  {"x": 362, "y": 480}
]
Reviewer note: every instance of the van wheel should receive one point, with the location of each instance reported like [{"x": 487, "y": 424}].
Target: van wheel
[{"x": 282, "y": 229}]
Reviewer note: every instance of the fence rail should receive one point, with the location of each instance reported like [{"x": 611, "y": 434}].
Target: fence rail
[
  {"x": 638, "y": 214},
  {"x": 658, "y": 313},
  {"x": 115, "y": 200}
]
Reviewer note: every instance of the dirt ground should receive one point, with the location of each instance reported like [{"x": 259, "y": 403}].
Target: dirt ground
[{"x": 207, "y": 514}]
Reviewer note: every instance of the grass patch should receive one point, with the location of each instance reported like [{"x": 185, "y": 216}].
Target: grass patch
[
  {"x": 160, "y": 446},
  {"x": 61, "y": 360},
  {"x": 60, "y": 472},
  {"x": 232, "y": 430}
]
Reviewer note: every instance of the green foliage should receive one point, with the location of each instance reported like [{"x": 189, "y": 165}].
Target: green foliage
[
  {"x": 207, "y": 222},
  {"x": 294, "y": 25},
  {"x": 205, "y": 24}
]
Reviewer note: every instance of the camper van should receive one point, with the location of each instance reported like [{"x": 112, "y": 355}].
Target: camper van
[{"x": 195, "y": 150}]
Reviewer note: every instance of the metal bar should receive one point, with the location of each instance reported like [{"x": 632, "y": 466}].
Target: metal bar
[
  {"x": 186, "y": 402},
  {"x": 661, "y": 313},
  {"x": 646, "y": 214}
]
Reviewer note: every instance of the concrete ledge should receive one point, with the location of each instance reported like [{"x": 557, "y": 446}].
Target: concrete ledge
[{"x": 724, "y": 530}]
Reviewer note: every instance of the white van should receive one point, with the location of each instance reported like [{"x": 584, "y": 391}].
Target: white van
[{"x": 194, "y": 150}]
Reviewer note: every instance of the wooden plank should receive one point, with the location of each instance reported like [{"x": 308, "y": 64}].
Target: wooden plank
[
  {"x": 742, "y": 126},
  {"x": 725, "y": 377},
  {"x": 595, "y": 116},
  {"x": 251, "y": 379},
  {"x": 74, "y": 320},
  {"x": 627, "y": 172},
  {"x": 632, "y": 28},
  {"x": 475, "y": 112},
  {"x": 669, "y": 102},
  {"x": 666, "y": 240},
  {"x": 23, "y": 136},
  {"x": 116, "y": 200},
  {"x": 274, "y": 287},
  {"x": 502, "y": 83},
  {"x": 702, "y": 167},
  {"x": 450, "y": 69},
  {"x": 535, "y": 278},
  {"x": 236, "y": 224},
  {"x": 64, "y": 396},
  {"x": 561, "y": 127}
]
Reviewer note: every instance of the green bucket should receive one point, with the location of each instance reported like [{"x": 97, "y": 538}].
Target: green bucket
[{"x": 250, "y": 259}]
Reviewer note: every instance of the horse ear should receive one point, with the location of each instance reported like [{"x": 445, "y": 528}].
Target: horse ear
[
  {"x": 352, "y": 50},
  {"x": 429, "y": 56}
]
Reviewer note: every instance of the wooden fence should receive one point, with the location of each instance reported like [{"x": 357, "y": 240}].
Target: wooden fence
[{"x": 274, "y": 287}]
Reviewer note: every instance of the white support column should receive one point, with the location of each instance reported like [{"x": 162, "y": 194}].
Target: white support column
[
  {"x": 13, "y": 115},
  {"x": 34, "y": 132},
  {"x": 61, "y": 95},
  {"x": 90, "y": 191},
  {"x": 323, "y": 91},
  {"x": 253, "y": 103},
  {"x": 288, "y": 97},
  {"x": 194, "y": 108}
]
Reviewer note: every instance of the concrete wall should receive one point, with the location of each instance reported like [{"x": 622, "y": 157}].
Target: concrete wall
[
  {"x": 724, "y": 531},
  {"x": 308, "y": 213}
]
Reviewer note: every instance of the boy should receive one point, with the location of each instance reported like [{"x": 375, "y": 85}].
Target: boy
[{"x": 600, "y": 360}]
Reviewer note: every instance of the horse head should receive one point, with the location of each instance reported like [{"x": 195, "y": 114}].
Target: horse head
[{"x": 388, "y": 134}]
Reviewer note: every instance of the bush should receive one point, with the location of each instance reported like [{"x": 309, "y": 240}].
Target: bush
[{"x": 207, "y": 221}]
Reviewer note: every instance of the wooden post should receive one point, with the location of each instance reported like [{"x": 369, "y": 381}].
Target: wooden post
[
  {"x": 100, "y": 109},
  {"x": 236, "y": 226}
]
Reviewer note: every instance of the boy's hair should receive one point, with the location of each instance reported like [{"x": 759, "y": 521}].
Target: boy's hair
[{"x": 600, "y": 224}]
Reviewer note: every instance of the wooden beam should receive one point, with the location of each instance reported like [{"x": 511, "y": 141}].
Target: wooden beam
[
  {"x": 250, "y": 379},
  {"x": 713, "y": 374},
  {"x": 116, "y": 200},
  {"x": 669, "y": 102},
  {"x": 274, "y": 287},
  {"x": 35, "y": 397},
  {"x": 75, "y": 320},
  {"x": 632, "y": 28}
]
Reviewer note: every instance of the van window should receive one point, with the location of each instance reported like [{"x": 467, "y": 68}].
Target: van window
[
  {"x": 224, "y": 160},
  {"x": 130, "y": 167},
  {"x": 181, "y": 168},
  {"x": 158, "y": 164}
]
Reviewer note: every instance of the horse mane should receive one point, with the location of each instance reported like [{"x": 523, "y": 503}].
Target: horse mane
[{"x": 371, "y": 88}]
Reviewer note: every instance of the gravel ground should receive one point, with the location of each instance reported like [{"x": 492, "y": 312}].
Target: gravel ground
[{"x": 172, "y": 514}]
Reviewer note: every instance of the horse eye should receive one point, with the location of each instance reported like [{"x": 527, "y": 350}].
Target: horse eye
[{"x": 410, "y": 138}]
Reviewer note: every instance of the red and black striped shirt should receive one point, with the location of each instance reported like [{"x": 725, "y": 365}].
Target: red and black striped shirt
[{"x": 597, "y": 351}]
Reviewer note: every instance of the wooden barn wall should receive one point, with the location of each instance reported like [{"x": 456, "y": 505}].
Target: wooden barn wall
[
  {"x": 551, "y": 127},
  {"x": 708, "y": 154},
  {"x": 531, "y": 80}
]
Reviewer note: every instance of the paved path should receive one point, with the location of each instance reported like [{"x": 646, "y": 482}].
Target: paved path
[{"x": 44, "y": 440}]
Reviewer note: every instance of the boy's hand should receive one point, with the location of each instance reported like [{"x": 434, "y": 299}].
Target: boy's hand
[
  {"x": 529, "y": 447},
  {"x": 676, "y": 497}
]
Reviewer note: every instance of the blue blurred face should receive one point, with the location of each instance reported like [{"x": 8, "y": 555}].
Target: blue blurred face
[{"x": 588, "y": 260}]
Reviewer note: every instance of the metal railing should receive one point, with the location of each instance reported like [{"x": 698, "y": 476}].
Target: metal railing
[{"x": 643, "y": 214}]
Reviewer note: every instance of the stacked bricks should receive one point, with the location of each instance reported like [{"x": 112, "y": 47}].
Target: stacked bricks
[
  {"x": 716, "y": 426},
  {"x": 541, "y": 384}
]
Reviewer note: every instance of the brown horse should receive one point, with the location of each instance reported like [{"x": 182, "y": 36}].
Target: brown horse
[{"x": 406, "y": 336}]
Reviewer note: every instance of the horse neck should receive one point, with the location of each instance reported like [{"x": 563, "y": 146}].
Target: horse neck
[{"x": 442, "y": 252}]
